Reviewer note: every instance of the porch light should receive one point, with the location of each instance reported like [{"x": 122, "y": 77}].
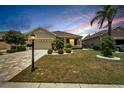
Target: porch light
[{"x": 33, "y": 37}]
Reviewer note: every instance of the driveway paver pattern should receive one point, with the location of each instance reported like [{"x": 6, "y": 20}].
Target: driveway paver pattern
[{"x": 12, "y": 64}]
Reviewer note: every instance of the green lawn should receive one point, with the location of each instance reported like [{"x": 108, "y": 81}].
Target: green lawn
[{"x": 79, "y": 67}]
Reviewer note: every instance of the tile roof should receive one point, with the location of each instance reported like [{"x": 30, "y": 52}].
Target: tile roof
[
  {"x": 39, "y": 28},
  {"x": 65, "y": 34},
  {"x": 116, "y": 32}
]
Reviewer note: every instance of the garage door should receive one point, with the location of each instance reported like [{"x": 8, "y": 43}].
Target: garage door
[
  {"x": 118, "y": 42},
  {"x": 43, "y": 44}
]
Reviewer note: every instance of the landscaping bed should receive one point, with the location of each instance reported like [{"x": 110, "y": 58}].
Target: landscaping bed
[{"x": 79, "y": 67}]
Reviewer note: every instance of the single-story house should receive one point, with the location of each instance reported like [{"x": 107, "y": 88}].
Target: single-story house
[
  {"x": 44, "y": 38},
  {"x": 94, "y": 39}
]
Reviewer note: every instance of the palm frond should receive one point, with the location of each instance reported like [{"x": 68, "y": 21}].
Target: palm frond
[
  {"x": 100, "y": 23},
  {"x": 105, "y": 26},
  {"x": 93, "y": 20},
  {"x": 106, "y": 13}
]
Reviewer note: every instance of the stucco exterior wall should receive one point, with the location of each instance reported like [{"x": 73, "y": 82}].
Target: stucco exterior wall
[
  {"x": 92, "y": 42},
  {"x": 43, "y": 39}
]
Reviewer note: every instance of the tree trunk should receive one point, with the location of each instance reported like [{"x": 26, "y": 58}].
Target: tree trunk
[{"x": 109, "y": 28}]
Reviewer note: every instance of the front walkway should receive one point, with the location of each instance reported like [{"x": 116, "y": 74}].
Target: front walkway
[
  {"x": 12, "y": 64},
  {"x": 54, "y": 85}
]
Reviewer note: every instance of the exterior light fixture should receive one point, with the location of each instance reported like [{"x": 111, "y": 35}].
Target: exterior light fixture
[{"x": 32, "y": 38}]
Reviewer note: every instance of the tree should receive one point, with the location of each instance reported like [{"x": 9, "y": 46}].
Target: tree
[
  {"x": 14, "y": 37},
  {"x": 106, "y": 14}
]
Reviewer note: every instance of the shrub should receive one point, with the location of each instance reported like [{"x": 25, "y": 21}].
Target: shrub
[
  {"x": 65, "y": 49},
  {"x": 107, "y": 52},
  {"x": 11, "y": 51},
  {"x": 108, "y": 46},
  {"x": 49, "y": 51},
  {"x": 68, "y": 50},
  {"x": 60, "y": 51},
  {"x": 29, "y": 45},
  {"x": 21, "y": 48},
  {"x": 13, "y": 47},
  {"x": 68, "y": 45},
  {"x": 54, "y": 46}
]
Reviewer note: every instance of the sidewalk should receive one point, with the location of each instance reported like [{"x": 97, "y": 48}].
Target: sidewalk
[{"x": 54, "y": 85}]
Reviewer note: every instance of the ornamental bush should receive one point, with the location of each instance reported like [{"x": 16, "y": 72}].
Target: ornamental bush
[
  {"x": 15, "y": 48},
  {"x": 60, "y": 51},
  {"x": 50, "y": 51},
  {"x": 11, "y": 51},
  {"x": 68, "y": 45},
  {"x": 21, "y": 48},
  {"x": 68, "y": 50},
  {"x": 108, "y": 46}
]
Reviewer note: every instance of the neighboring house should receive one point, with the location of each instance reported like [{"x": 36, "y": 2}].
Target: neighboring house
[
  {"x": 44, "y": 38},
  {"x": 94, "y": 39},
  {"x": 3, "y": 45}
]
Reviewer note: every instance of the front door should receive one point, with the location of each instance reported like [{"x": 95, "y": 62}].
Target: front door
[{"x": 72, "y": 41}]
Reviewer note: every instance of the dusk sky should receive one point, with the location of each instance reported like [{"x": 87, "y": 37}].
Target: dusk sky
[{"x": 72, "y": 19}]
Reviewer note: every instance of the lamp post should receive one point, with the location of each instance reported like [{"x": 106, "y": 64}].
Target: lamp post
[{"x": 32, "y": 66}]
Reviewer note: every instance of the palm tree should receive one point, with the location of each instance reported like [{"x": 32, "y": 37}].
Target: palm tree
[{"x": 106, "y": 14}]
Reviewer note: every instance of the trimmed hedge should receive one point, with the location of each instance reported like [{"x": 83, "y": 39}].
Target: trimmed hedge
[
  {"x": 13, "y": 47},
  {"x": 11, "y": 51},
  {"x": 21, "y": 48},
  {"x": 50, "y": 51},
  {"x": 16, "y": 49},
  {"x": 60, "y": 51},
  {"x": 68, "y": 45},
  {"x": 68, "y": 50}
]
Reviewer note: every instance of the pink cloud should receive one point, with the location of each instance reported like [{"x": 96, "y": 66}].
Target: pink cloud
[
  {"x": 88, "y": 26},
  {"x": 82, "y": 26},
  {"x": 82, "y": 16},
  {"x": 118, "y": 20}
]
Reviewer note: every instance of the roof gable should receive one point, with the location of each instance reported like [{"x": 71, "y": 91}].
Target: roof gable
[
  {"x": 116, "y": 32},
  {"x": 42, "y": 33}
]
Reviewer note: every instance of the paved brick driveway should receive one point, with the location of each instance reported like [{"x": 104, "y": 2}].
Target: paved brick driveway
[{"x": 12, "y": 64}]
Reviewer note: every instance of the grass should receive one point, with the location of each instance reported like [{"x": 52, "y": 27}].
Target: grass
[
  {"x": 79, "y": 67},
  {"x": 120, "y": 55}
]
